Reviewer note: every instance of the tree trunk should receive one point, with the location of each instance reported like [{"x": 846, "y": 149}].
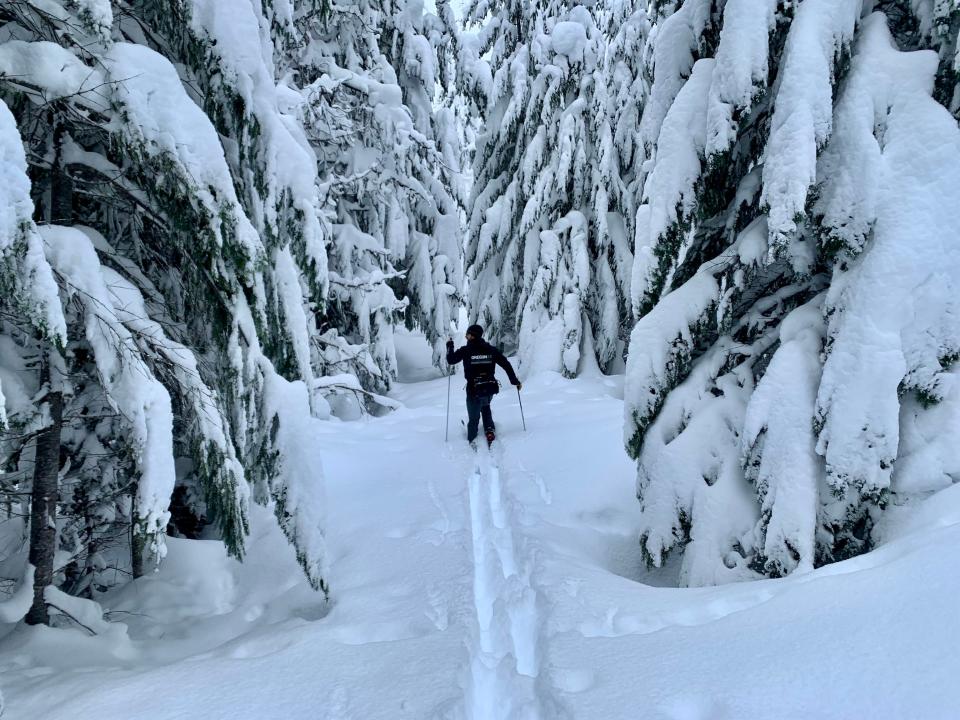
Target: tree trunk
[
  {"x": 43, "y": 509},
  {"x": 46, "y": 468},
  {"x": 61, "y": 184},
  {"x": 138, "y": 541}
]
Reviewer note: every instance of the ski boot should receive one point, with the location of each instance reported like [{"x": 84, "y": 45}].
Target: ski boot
[{"x": 491, "y": 436}]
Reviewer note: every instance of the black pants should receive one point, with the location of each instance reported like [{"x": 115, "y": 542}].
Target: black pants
[{"x": 478, "y": 405}]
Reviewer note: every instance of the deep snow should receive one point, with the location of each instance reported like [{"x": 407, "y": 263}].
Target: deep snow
[{"x": 501, "y": 585}]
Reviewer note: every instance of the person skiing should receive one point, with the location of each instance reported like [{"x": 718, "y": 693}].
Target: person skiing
[{"x": 480, "y": 359}]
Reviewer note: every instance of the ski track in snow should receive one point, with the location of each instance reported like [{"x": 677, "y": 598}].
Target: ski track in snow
[{"x": 507, "y": 648}]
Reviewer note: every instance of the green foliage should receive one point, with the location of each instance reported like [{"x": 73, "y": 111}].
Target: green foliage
[
  {"x": 927, "y": 398},
  {"x": 681, "y": 536},
  {"x": 16, "y": 300},
  {"x": 849, "y": 535},
  {"x": 716, "y": 186},
  {"x": 666, "y": 250},
  {"x": 220, "y": 485},
  {"x": 949, "y": 359},
  {"x": 210, "y": 261},
  {"x": 682, "y": 354},
  {"x": 287, "y": 524},
  {"x": 277, "y": 344}
]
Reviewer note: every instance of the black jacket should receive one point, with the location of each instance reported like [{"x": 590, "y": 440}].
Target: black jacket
[{"x": 480, "y": 359}]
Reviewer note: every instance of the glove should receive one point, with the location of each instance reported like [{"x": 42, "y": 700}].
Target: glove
[
  {"x": 449, "y": 344},
  {"x": 519, "y": 385}
]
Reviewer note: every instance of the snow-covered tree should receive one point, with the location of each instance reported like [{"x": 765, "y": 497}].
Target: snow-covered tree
[
  {"x": 548, "y": 256},
  {"x": 162, "y": 358},
  {"x": 390, "y": 168},
  {"x": 626, "y": 84},
  {"x": 421, "y": 48},
  {"x": 223, "y": 212},
  {"x": 793, "y": 272},
  {"x": 932, "y": 24}
]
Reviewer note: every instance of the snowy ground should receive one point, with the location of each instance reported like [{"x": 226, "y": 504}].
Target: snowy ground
[{"x": 467, "y": 591}]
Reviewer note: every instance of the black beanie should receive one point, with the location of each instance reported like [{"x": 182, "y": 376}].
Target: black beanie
[{"x": 475, "y": 330}]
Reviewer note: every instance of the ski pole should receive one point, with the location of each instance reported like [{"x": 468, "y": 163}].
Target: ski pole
[
  {"x": 446, "y": 431},
  {"x": 522, "y": 419}
]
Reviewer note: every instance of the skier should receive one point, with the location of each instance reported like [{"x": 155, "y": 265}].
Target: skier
[{"x": 479, "y": 364}]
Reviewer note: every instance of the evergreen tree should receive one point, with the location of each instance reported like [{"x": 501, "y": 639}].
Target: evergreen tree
[
  {"x": 159, "y": 333},
  {"x": 626, "y": 83},
  {"x": 794, "y": 336},
  {"x": 421, "y": 48},
  {"x": 222, "y": 215},
  {"x": 547, "y": 252},
  {"x": 389, "y": 167}
]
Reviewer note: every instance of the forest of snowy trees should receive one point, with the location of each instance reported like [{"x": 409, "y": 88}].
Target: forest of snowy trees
[
  {"x": 215, "y": 215},
  {"x": 760, "y": 194}
]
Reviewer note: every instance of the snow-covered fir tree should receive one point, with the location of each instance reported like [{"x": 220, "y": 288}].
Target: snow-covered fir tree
[
  {"x": 794, "y": 275},
  {"x": 222, "y": 213},
  {"x": 390, "y": 171},
  {"x": 155, "y": 257},
  {"x": 422, "y": 48},
  {"x": 547, "y": 250},
  {"x": 626, "y": 86}
]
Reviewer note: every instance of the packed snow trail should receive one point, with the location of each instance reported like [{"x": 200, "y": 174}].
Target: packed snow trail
[
  {"x": 505, "y": 680},
  {"x": 508, "y": 594}
]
